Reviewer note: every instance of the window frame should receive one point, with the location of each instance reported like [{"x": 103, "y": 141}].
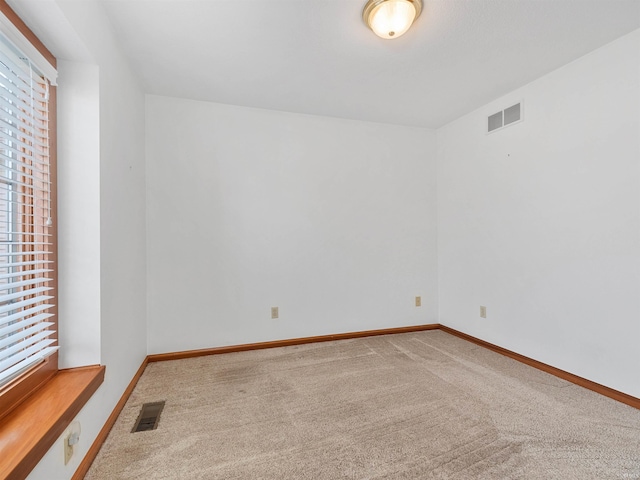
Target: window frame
[{"x": 18, "y": 390}]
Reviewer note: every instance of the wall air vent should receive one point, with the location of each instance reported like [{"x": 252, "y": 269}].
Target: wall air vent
[
  {"x": 506, "y": 117},
  {"x": 495, "y": 121}
]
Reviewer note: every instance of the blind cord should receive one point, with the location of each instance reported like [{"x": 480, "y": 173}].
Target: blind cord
[{"x": 49, "y": 221}]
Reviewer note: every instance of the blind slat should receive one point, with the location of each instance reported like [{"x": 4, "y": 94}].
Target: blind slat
[
  {"x": 23, "y": 283},
  {"x": 9, "y": 130},
  {"x": 32, "y": 355},
  {"x": 12, "y": 355},
  {"x": 11, "y": 182},
  {"x": 14, "y": 244},
  {"x": 23, "y": 334},
  {"x": 15, "y": 326},
  {"x": 32, "y": 167},
  {"x": 24, "y": 313},
  {"x": 17, "y": 254},
  {"x": 35, "y": 144},
  {"x": 24, "y": 303},
  {"x": 16, "y": 79},
  {"x": 18, "y": 369},
  {"x": 35, "y": 176},
  {"x": 23, "y": 264},
  {"x": 21, "y": 294},
  {"x": 21, "y": 95},
  {"x": 24, "y": 273},
  {"x": 13, "y": 106}
]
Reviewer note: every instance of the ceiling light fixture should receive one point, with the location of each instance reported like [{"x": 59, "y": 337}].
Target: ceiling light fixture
[{"x": 391, "y": 18}]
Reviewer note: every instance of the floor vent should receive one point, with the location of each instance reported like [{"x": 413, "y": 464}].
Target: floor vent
[{"x": 149, "y": 417}]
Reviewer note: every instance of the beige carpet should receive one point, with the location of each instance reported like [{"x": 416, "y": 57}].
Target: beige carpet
[{"x": 412, "y": 406}]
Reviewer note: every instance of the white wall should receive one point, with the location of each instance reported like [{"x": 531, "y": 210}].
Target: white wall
[
  {"x": 332, "y": 221},
  {"x": 79, "y": 213},
  {"x": 102, "y": 221},
  {"x": 540, "y": 222}
]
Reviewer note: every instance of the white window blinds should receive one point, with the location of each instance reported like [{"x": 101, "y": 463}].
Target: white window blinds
[{"x": 26, "y": 285}]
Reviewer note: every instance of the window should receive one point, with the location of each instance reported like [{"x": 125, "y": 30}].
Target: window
[{"x": 28, "y": 316}]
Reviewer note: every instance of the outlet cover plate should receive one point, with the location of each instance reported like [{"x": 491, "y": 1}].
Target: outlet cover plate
[{"x": 68, "y": 449}]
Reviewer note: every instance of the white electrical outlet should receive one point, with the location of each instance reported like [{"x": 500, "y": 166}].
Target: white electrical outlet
[
  {"x": 483, "y": 311},
  {"x": 70, "y": 439},
  {"x": 274, "y": 312},
  {"x": 68, "y": 449}
]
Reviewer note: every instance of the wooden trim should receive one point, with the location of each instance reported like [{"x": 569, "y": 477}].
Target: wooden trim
[
  {"x": 570, "y": 377},
  {"x": 32, "y": 428},
  {"x": 16, "y": 392},
  {"x": 88, "y": 459},
  {"x": 26, "y": 31},
  {"x": 161, "y": 357}
]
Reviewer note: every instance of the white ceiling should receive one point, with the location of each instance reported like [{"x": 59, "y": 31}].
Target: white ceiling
[{"x": 318, "y": 57}]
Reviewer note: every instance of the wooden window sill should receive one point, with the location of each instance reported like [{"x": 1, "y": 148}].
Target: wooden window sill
[{"x": 28, "y": 432}]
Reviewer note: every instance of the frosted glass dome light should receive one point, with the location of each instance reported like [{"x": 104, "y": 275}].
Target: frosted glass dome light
[{"x": 391, "y": 18}]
